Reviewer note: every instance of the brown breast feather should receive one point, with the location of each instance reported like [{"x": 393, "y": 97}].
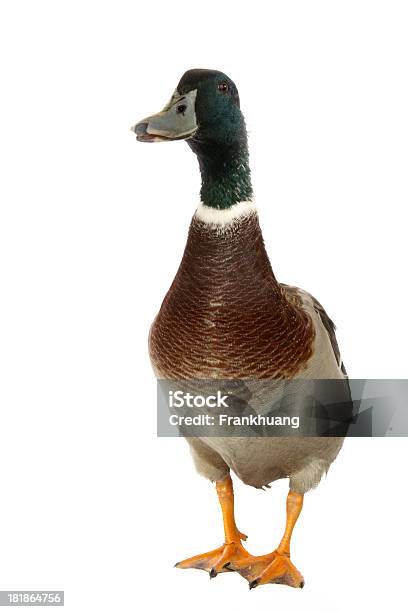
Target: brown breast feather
[{"x": 225, "y": 315}]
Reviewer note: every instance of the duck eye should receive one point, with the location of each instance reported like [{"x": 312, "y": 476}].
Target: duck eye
[
  {"x": 223, "y": 87},
  {"x": 181, "y": 109}
]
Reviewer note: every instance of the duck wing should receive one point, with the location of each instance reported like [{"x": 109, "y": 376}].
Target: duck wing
[{"x": 296, "y": 295}]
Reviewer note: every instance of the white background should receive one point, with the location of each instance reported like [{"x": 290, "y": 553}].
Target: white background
[{"x": 92, "y": 229}]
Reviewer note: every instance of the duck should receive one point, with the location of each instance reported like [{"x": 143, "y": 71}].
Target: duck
[{"x": 227, "y": 317}]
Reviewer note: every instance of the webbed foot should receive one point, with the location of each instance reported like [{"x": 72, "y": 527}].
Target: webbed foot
[
  {"x": 274, "y": 568},
  {"x": 220, "y": 559}
]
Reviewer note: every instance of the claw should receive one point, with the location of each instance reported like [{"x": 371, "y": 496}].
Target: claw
[
  {"x": 213, "y": 573},
  {"x": 253, "y": 584}
]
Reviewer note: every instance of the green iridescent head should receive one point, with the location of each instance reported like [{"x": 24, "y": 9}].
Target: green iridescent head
[{"x": 205, "y": 111}]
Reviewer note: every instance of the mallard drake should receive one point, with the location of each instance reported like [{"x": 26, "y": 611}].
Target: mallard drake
[{"x": 226, "y": 316}]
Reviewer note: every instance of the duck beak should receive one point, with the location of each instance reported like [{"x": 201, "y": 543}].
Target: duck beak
[{"x": 177, "y": 120}]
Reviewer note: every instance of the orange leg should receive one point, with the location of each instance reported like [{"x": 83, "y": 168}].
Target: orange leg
[
  {"x": 219, "y": 559},
  {"x": 277, "y": 566}
]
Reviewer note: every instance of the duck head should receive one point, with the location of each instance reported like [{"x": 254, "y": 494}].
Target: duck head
[
  {"x": 205, "y": 104},
  {"x": 205, "y": 111}
]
